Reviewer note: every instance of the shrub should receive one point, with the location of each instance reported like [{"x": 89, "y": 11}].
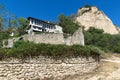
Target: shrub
[
  {"x": 68, "y": 25},
  {"x": 104, "y": 41},
  {"x": 23, "y": 50},
  {"x": 2, "y": 54},
  {"x": 87, "y": 6}
]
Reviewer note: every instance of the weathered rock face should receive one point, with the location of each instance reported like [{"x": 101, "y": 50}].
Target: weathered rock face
[{"x": 92, "y": 17}]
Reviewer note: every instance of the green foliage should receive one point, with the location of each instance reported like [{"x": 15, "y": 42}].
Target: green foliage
[
  {"x": 9, "y": 23},
  {"x": 23, "y": 25},
  {"x": 82, "y": 11},
  {"x": 3, "y": 35},
  {"x": 13, "y": 23},
  {"x": 1, "y": 23},
  {"x": 104, "y": 41},
  {"x": 2, "y": 54},
  {"x": 87, "y": 6},
  {"x": 23, "y": 50},
  {"x": 18, "y": 26},
  {"x": 94, "y": 30},
  {"x": 2, "y": 19},
  {"x": 67, "y": 24}
]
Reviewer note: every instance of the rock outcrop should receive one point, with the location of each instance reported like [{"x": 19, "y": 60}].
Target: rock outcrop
[{"x": 93, "y": 17}]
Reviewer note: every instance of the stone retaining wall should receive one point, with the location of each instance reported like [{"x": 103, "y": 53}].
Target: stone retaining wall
[
  {"x": 44, "y": 68},
  {"x": 76, "y": 38},
  {"x": 50, "y": 38},
  {"x": 58, "y": 38}
]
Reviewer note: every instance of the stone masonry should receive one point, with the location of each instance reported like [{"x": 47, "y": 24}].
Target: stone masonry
[
  {"x": 57, "y": 38},
  {"x": 76, "y": 38},
  {"x": 44, "y": 68},
  {"x": 49, "y": 38}
]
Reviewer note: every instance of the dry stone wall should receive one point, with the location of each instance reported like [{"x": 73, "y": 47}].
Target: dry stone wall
[
  {"x": 42, "y": 68},
  {"x": 48, "y": 38},
  {"x": 76, "y": 38},
  {"x": 10, "y": 42},
  {"x": 52, "y": 38}
]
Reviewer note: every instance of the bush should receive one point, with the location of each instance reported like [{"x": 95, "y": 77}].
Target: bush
[
  {"x": 23, "y": 50},
  {"x": 104, "y": 41},
  {"x": 87, "y": 6},
  {"x": 2, "y": 54},
  {"x": 68, "y": 25}
]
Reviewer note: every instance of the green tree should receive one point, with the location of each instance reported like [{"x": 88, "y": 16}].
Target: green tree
[
  {"x": 23, "y": 25},
  {"x": 105, "y": 41},
  {"x": 87, "y": 6},
  {"x": 68, "y": 25},
  {"x": 18, "y": 25},
  {"x": 2, "y": 19},
  {"x": 1, "y": 23}
]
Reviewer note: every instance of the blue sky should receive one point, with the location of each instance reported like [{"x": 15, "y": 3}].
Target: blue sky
[{"x": 50, "y": 9}]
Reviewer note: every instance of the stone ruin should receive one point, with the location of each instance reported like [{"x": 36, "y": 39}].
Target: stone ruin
[{"x": 48, "y": 38}]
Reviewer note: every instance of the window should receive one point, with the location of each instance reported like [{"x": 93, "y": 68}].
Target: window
[{"x": 31, "y": 21}]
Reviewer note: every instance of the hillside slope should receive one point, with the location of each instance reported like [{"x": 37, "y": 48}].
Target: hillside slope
[{"x": 93, "y": 17}]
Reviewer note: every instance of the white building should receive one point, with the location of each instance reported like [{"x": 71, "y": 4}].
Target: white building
[{"x": 42, "y": 26}]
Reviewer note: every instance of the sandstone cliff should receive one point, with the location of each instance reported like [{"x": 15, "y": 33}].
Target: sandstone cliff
[{"x": 93, "y": 17}]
